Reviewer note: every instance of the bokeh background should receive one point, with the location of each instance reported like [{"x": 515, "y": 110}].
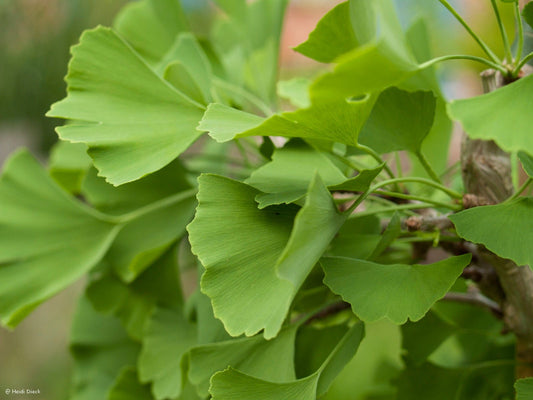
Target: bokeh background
[{"x": 35, "y": 36}]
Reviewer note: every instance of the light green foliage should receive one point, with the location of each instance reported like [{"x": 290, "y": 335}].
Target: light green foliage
[
  {"x": 111, "y": 89},
  {"x": 524, "y": 389},
  {"x": 483, "y": 225},
  {"x": 244, "y": 264},
  {"x": 510, "y": 119},
  {"x": 47, "y": 239},
  {"x": 374, "y": 291}
]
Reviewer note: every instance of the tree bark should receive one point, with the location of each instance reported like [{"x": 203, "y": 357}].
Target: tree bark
[{"x": 486, "y": 173}]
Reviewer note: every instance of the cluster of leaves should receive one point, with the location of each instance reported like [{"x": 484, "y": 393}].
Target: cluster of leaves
[{"x": 281, "y": 235}]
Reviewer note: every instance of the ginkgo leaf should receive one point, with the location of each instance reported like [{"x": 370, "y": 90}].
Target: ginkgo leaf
[
  {"x": 132, "y": 121},
  {"x": 48, "y": 240},
  {"x": 146, "y": 237},
  {"x": 250, "y": 253},
  {"x": 235, "y": 385},
  {"x": 383, "y": 50},
  {"x": 128, "y": 387},
  {"x": 400, "y": 120},
  {"x": 101, "y": 350},
  {"x": 239, "y": 245},
  {"x": 271, "y": 360},
  {"x": 167, "y": 338},
  {"x": 291, "y": 171},
  {"x": 510, "y": 119},
  {"x": 151, "y": 26},
  {"x": 188, "y": 53},
  {"x": 524, "y": 389},
  {"x": 337, "y": 120},
  {"x": 295, "y": 90},
  {"x": 396, "y": 292},
  {"x": 484, "y": 225},
  {"x": 232, "y": 384},
  {"x": 332, "y": 37},
  {"x": 315, "y": 225}
]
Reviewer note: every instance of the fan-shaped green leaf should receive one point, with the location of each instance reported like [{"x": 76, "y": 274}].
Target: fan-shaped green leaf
[
  {"x": 132, "y": 121},
  {"x": 382, "y": 61},
  {"x": 47, "y": 239},
  {"x": 332, "y": 37},
  {"x": 232, "y": 384},
  {"x": 151, "y": 26},
  {"x": 524, "y": 388},
  {"x": 271, "y": 360},
  {"x": 293, "y": 167},
  {"x": 510, "y": 116},
  {"x": 397, "y": 292},
  {"x": 168, "y": 337},
  {"x": 338, "y": 120},
  {"x": 239, "y": 246},
  {"x": 485, "y": 225},
  {"x": 400, "y": 120},
  {"x": 250, "y": 261}
]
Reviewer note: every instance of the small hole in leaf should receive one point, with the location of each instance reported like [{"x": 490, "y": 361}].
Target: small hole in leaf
[{"x": 358, "y": 98}]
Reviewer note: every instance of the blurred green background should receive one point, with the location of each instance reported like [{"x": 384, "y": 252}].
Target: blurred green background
[{"x": 35, "y": 36}]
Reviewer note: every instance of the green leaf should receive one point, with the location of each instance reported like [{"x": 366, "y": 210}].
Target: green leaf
[
  {"x": 422, "y": 338},
  {"x": 133, "y": 304},
  {"x": 168, "y": 337},
  {"x": 357, "y": 238},
  {"x": 189, "y": 55},
  {"x": 377, "y": 361},
  {"x": 254, "y": 241},
  {"x": 508, "y": 107},
  {"x": 527, "y": 163},
  {"x": 484, "y": 225},
  {"x": 146, "y": 237},
  {"x": 128, "y": 387},
  {"x": 47, "y": 239},
  {"x": 524, "y": 389},
  {"x": 132, "y": 121},
  {"x": 400, "y": 120},
  {"x": 232, "y": 384},
  {"x": 296, "y": 91},
  {"x": 270, "y": 360},
  {"x": 527, "y": 13},
  {"x": 101, "y": 349},
  {"x": 396, "y": 292},
  {"x": 239, "y": 246},
  {"x": 293, "y": 167},
  {"x": 151, "y": 26},
  {"x": 337, "y": 120},
  {"x": 69, "y": 164},
  {"x": 223, "y": 123},
  {"x": 315, "y": 226},
  {"x": 385, "y": 53},
  {"x": 332, "y": 37}
]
